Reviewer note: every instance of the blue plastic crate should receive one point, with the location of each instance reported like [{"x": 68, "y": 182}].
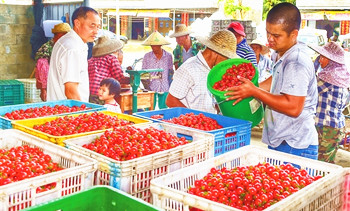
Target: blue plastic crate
[
  {"x": 11, "y": 92},
  {"x": 234, "y": 134},
  {"x": 7, "y": 124}
]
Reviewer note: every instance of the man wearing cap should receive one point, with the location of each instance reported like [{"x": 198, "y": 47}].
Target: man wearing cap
[
  {"x": 264, "y": 63},
  {"x": 68, "y": 74},
  {"x": 42, "y": 58},
  {"x": 243, "y": 49},
  {"x": 186, "y": 46},
  {"x": 158, "y": 58},
  {"x": 104, "y": 64},
  {"x": 291, "y": 97},
  {"x": 189, "y": 87}
]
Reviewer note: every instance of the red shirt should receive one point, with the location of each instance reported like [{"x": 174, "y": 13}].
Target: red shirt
[{"x": 103, "y": 67}]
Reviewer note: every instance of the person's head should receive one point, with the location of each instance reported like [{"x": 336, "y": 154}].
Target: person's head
[
  {"x": 182, "y": 34},
  {"x": 220, "y": 46},
  {"x": 238, "y": 30},
  {"x": 259, "y": 47},
  {"x": 120, "y": 55},
  {"x": 282, "y": 26},
  {"x": 59, "y": 30},
  {"x": 105, "y": 45},
  {"x": 86, "y": 23},
  {"x": 155, "y": 40},
  {"x": 331, "y": 52},
  {"x": 109, "y": 89}
]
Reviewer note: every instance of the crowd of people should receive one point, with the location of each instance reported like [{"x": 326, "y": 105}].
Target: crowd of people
[{"x": 303, "y": 107}]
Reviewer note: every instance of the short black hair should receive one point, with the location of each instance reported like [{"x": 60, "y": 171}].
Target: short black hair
[
  {"x": 81, "y": 12},
  {"x": 113, "y": 86},
  {"x": 286, "y": 14}
]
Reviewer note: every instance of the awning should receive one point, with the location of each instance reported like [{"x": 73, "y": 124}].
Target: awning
[
  {"x": 60, "y": 1},
  {"x": 142, "y": 13},
  {"x": 326, "y": 15}
]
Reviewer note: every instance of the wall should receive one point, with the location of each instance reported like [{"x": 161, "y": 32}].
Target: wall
[{"x": 16, "y": 23}]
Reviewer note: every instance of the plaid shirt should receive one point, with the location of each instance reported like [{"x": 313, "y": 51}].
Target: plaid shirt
[
  {"x": 196, "y": 47},
  {"x": 104, "y": 67},
  {"x": 331, "y": 103}
]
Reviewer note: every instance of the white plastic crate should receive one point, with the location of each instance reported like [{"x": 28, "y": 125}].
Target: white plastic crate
[
  {"x": 31, "y": 93},
  {"x": 77, "y": 175},
  {"x": 346, "y": 198},
  {"x": 134, "y": 176},
  {"x": 170, "y": 191}
]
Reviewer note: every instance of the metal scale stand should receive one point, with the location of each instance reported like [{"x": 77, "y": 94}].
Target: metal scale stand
[{"x": 135, "y": 79}]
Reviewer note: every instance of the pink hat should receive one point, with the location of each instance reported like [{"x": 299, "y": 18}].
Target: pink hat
[
  {"x": 332, "y": 51},
  {"x": 238, "y": 27}
]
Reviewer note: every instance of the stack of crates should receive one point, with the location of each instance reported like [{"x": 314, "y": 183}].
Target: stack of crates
[
  {"x": 11, "y": 92},
  {"x": 31, "y": 93}
]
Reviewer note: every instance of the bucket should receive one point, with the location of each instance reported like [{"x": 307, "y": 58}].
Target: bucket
[{"x": 248, "y": 109}]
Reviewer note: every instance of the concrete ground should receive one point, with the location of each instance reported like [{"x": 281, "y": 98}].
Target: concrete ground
[{"x": 342, "y": 158}]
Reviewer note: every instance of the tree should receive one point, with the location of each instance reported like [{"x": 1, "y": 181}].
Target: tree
[
  {"x": 268, "y": 4},
  {"x": 232, "y": 7}
]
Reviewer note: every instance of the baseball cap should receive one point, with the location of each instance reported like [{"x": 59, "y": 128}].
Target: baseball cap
[{"x": 238, "y": 27}]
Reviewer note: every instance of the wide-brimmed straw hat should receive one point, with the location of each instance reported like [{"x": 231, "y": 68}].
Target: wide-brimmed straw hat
[
  {"x": 223, "y": 42},
  {"x": 332, "y": 51},
  {"x": 104, "y": 46},
  {"x": 61, "y": 28},
  {"x": 264, "y": 50},
  {"x": 155, "y": 39},
  {"x": 180, "y": 30}
]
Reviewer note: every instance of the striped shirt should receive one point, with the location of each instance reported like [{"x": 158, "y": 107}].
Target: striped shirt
[
  {"x": 330, "y": 106},
  {"x": 246, "y": 52},
  {"x": 103, "y": 67}
]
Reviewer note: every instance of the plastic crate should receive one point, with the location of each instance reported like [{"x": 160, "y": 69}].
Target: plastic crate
[
  {"x": 7, "y": 124},
  {"x": 170, "y": 191},
  {"x": 28, "y": 124},
  {"x": 31, "y": 93},
  {"x": 234, "y": 134},
  {"x": 133, "y": 176},
  {"x": 346, "y": 198},
  {"x": 77, "y": 176},
  {"x": 99, "y": 198},
  {"x": 11, "y": 92}
]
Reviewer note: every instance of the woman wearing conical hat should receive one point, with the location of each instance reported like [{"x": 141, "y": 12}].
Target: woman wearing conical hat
[
  {"x": 158, "y": 58},
  {"x": 332, "y": 83}
]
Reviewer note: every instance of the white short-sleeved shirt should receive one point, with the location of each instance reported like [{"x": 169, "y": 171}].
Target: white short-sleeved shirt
[
  {"x": 68, "y": 64},
  {"x": 190, "y": 84},
  {"x": 293, "y": 74},
  {"x": 113, "y": 107}
]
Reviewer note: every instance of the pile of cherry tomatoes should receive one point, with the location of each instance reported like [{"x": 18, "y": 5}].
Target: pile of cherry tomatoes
[
  {"x": 229, "y": 79},
  {"x": 252, "y": 187},
  {"x": 126, "y": 143}
]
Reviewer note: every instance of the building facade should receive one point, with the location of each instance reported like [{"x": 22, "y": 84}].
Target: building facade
[{"x": 333, "y": 16}]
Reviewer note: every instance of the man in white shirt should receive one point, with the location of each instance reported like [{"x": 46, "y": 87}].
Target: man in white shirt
[
  {"x": 68, "y": 74},
  {"x": 189, "y": 87}
]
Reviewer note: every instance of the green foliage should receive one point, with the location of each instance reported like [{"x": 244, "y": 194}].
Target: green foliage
[
  {"x": 268, "y": 4},
  {"x": 231, "y": 7}
]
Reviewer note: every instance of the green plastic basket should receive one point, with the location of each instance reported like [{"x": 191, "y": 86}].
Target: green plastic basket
[
  {"x": 98, "y": 198},
  {"x": 248, "y": 109}
]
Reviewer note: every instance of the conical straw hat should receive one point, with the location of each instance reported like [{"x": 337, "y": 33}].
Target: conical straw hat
[
  {"x": 104, "y": 46},
  {"x": 155, "y": 39},
  {"x": 223, "y": 42}
]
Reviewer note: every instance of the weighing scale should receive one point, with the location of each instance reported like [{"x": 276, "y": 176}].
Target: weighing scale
[{"x": 135, "y": 79}]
